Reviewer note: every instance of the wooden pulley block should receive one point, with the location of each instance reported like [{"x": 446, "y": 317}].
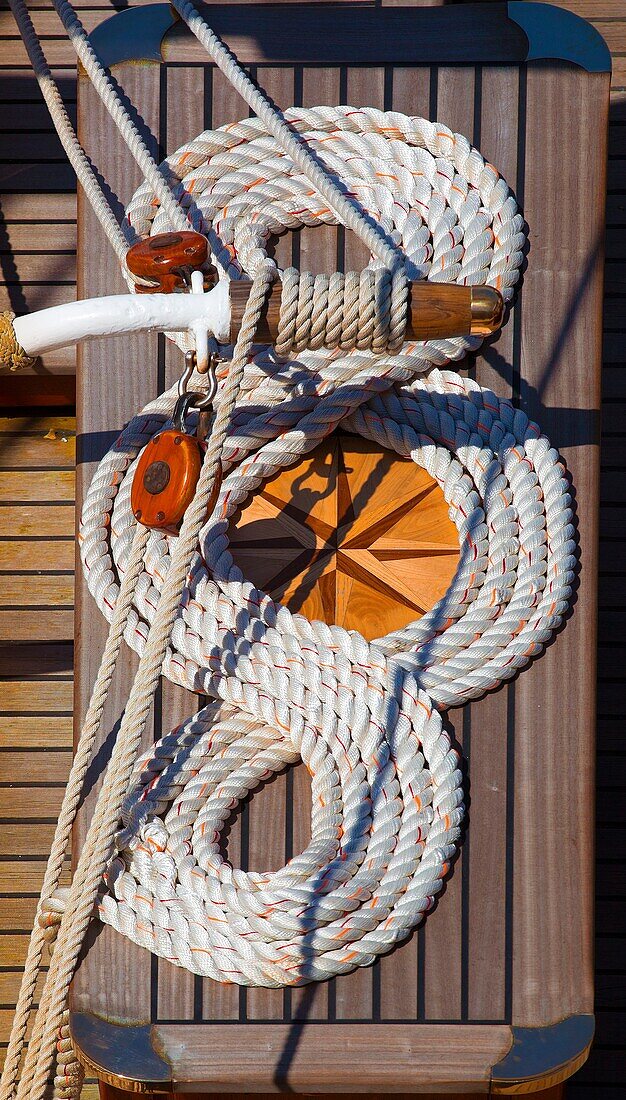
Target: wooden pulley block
[
  {"x": 167, "y": 259},
  {"x": 167, "y": 473}
]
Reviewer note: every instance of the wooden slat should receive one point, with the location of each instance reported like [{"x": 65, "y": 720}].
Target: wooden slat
[
  {"x": 28, "y": 591},
  {"x": 556, "y": 389},
  {"x": 37, "y": 442},
  {"x": 31, "y": 803},
  {"x": 385, "y": 1057},
  {"x": 45, "y": 485},
  {"x": 34, "y": 732},
  {"x": 37, "y": 267},
  {"x": 452, "y": 102},
  {"x": 36, "y": 697},
  {"x": 57, "y": 555},
  {"x": 26, "y": 840},
  {"x": 105, "y": 383},
  {"x": 36, "y": 520},
  {"x": 21, "y": 877},
  {"x": 401, "y": 983},
  {"x": 488, "y": 726},
  {"x": 53, "y": 767},
  {"x": 34, "y": 209}
]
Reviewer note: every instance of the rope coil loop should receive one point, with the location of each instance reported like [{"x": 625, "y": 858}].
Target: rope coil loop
[{"x": 361, "y": 715}]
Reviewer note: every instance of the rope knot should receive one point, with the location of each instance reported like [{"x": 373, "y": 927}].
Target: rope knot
[
  {"x": 52, "y": 910},
  {"x": 12, "y": 354}
]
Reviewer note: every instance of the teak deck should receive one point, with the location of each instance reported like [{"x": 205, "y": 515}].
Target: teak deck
[{"x": 495, "y": 990}]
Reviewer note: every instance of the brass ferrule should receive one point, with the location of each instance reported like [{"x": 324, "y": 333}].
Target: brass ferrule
[{"x": 487, "y": 310}]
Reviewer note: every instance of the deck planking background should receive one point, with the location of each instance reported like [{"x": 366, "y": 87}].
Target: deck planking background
[{"x": 37, "y": 259}]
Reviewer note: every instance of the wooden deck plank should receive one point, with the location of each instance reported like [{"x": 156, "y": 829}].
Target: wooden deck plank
[
  {"x": 489, "y": 730},
  {"x": 104, "y": 382},
  {"x": 552, "y": 971}
]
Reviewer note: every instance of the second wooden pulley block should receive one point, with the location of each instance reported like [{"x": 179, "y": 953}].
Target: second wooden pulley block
[{"x": 167, "y": 473}]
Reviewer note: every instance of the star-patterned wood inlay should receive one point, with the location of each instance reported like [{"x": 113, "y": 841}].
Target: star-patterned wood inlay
[{"x": 352, "y": 535}]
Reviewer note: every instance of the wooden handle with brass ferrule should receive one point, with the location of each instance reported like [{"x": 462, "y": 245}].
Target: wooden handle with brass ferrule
[{"x": 436, "y": 311}]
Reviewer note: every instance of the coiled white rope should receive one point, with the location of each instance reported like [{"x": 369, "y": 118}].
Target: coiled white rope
[{"x": 386, "y": 785}]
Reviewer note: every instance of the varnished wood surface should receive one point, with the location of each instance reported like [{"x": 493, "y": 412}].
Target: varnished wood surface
[
  {"x": 461, "y": 967},
  {"x": 23, "y": 210},
  {"x": 435, "y": 311},
  {"x": 351, "y": 535}
]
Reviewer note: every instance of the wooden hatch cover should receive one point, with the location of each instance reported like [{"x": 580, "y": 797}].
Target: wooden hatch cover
[{"x": 494, "y": 991}]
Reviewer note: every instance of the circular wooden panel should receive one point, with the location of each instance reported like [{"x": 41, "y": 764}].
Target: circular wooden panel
[{"x": 351, "y": 535}]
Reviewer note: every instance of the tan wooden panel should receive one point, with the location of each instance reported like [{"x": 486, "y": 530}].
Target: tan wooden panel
[
  {"x": 17, "y": 913},
  {"x": 33, "y": 767},
  {"x": 31, "y": 732},
  {"x": 25, "y": 877},
  {"x": 552, "y": 973},
  {"x": 37, "y": 696},
  {"x": 50, "y": 485},
  {"x": 58, "y": 554},
  {"x": 10, "y": 987},
  {"x": 36, "y": 442},
  {"x": 26, "y": 840},
  {"x": 30, "y": 803},
  {"x": 35, "y": 520},
  {"x": 26, "y": 590},
  {"x": 105, "y": 383},
  {"x": 13, "y": 950},
  {"x": 17, "y": 626}
]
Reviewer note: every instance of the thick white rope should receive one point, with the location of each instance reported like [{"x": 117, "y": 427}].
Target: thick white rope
[
  {"x": 96, "y": 853},
  {"x": 67, "y": 135},
  {"x": 308, "y": 689},
  {"x": 106, "y": 88}
]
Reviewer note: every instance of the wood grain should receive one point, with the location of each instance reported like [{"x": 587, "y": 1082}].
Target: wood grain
[
  {"x": 351, "y": 1058},
  {"x": 474, "y": 933},
  {"x": 108, "y": 393},
  {"x": 552, "y": 973}
]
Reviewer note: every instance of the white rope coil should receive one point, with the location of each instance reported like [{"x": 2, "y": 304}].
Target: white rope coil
[
  {"x": 387, "y": 795},
  {"x": 302, "y": 688},
  {"x": 431, "y": 193}
]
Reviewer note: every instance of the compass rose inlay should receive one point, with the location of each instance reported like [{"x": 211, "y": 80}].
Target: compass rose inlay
[{"x": 352, "y": 535}]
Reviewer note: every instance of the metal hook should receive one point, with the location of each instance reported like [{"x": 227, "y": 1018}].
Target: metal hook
[
  {"x": 185, "y": 378},
  {"x": 205, "y": 400},
  {"x": 211, "y": 375}
]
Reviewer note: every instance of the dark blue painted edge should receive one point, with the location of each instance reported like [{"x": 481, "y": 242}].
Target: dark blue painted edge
[
  {"x": 560, "y": 35},
  {"x": 540, "y": 1054},
  {"x": 136, "y": 34}
]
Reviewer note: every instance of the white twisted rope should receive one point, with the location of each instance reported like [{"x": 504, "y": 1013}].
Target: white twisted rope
[
  {"x": 386, "y": 786},
  {"x": 317, "y": 691}
]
